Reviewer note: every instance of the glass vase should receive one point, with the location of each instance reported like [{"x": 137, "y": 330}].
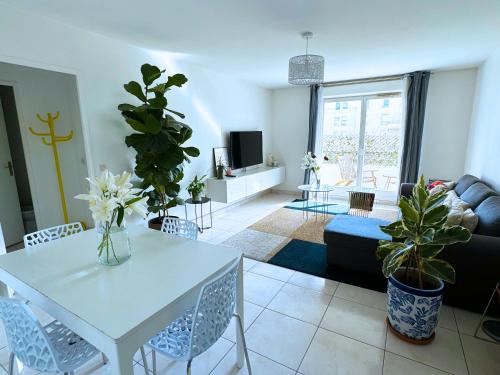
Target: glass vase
[
  {"x": 317, "y": 179},
  {"x": 113, "y": 245}
]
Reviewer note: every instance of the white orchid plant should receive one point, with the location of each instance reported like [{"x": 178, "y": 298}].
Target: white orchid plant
[
  {"x": 310, "y": 162},
  {"x": 110, "y": 198}
]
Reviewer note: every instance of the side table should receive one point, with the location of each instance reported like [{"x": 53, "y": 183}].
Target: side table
[
  {"x": 200, "y": 203},
  {"x": 490, "y": 327}
]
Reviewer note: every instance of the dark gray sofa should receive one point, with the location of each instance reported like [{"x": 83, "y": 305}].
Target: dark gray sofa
[{"x": 477, "y": 263}]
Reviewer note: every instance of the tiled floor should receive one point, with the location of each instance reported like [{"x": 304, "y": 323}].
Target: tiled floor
[{"x": 301, "y": 324}]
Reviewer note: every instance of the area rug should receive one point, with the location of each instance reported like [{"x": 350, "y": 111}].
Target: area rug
[
  {"x": 310, "y": 257},
  {"x": 267, "y": 237}
]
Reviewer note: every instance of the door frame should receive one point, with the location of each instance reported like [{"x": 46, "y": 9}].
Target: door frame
[{"x": 18, "y": 90}]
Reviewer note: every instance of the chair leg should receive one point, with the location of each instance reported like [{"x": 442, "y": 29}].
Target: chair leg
[
  {"x": 240, "y": 325},
  {"x": 104, "y": 359},
  {"x": 188, "y": 371},
  {"x": 154, "y": 362},
  {"x": 144, "y": 361},
  {"x": 12, "y": 358}
]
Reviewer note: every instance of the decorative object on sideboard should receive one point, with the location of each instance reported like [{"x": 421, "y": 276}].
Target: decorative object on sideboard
[
  {"x": 196, "y": 187},
  {"x": 271, "y": 161},
  {"x": 415, "y": 286},
  {"x": 51, "y": 139},
  {"x": 158, "y": 140},
  {"x": 221, "y": 161},
  {"x": 306, "y": 69},
  {"x": 110, "y": 198}
]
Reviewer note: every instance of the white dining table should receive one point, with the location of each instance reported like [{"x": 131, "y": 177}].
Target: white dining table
[{"x": 117, "y": 309}]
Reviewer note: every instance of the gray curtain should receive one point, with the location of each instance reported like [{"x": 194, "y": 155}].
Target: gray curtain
[
  {"x": 416, "y": 97},
  {"x": 313, "y": 123}
]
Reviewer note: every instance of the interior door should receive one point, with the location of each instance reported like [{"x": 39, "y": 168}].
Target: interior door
[{"x": 10, "y": 210}]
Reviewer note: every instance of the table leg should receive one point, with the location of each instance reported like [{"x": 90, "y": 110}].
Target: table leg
[
  {"x": 120, "y": 361},
  {"x": 202, "y": 225},
  {"x": 240, "y": 354}
]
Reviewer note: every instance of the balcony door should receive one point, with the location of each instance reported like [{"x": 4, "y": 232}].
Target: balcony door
[{"x": 362, "y": 138}]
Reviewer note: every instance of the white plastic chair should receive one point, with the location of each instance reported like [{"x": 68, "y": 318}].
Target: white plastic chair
[
  {"x": 180, "y": 227},
  {"x": 53, "y": 348},
  {"x": 51, "y": 234},
  {"x": 199, "y": 327}
]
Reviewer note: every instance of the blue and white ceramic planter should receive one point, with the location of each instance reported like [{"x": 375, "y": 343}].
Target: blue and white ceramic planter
[{"x": 413, "y": 312}]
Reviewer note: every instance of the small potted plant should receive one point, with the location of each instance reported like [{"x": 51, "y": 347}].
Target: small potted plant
[
  {"x": 415, "y": 275},
  {"x": 196, "y": 187}
]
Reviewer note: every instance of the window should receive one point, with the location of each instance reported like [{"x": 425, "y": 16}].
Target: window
[
  {"x": 337, "y": 106},
  {"x": 362, "y": 142}
]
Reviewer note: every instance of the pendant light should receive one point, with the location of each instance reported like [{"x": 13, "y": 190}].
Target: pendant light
[{"x": 306, "y": 69}]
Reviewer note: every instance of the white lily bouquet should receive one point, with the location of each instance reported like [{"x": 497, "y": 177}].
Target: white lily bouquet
[
  {"x": 110, "y": 198},
  {"x": 310, "y": 162}
]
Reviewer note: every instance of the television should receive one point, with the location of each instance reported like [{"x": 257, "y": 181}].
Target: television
[{"x": 246, "y": 148}]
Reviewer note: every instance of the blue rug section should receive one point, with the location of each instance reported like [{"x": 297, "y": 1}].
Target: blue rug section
[
  {"x": 310, "y": 257},
  {"x": 331, "y": 208},
  {"x": 367, "y": 227}
]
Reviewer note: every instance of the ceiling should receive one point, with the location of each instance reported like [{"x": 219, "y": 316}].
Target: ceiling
[{"x": 253, "y": 39}]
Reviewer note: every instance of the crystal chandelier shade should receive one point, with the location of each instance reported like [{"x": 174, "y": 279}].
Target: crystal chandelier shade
[{"x": 306, "y": 69}]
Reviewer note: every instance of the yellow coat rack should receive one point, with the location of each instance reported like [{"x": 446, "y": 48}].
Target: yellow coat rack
[{"x": 51, "y": 139}]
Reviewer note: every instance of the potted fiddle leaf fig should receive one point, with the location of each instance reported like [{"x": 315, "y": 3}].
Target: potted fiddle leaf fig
[
  {"x": 410, "y": 262},
  {"x": 158, "y": 139},
  {"x": 195, "y": 187}
]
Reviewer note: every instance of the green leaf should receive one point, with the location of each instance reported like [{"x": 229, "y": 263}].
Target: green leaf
[
  {"x": 150, "y": 73},
  {"x": 451, "y": 235},
  {"x": 126, "y": 107},
  {"x": 430, "y": 251},
  {"x": 192, "y": 151},
  {"x": 386, "y": 247},
  {"x": 395, "y": 259},
  {"x": 137, "y": 125},
  {"x": 394, "y": 229},
  {"x": 121, "y": 213},
  {"x": 426, "y": 237},
  {"x": 440, "y": 269},
  {"x": 408, "y": 211},
  {"x": 176, "y": 80},
  {"x": 135, "y": 89},
  {"x": 435, "y": 215},
  {"x": 181, "y": 115},
  {"x": 160, "y": 102},
  {"x": 421, "y": 195},
  {"x": 132, "y": 201},
  {"x": 153, "y": 125}
]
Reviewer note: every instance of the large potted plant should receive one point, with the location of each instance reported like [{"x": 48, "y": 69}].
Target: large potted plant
[
  {"x": 415, "y": 274},
  {"x": 158, "y": 139}
]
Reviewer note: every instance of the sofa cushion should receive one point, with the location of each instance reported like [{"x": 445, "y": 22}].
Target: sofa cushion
[
  {"x": 477, "y": 193},
  {"x": 464, "y": 183},
  {"x": 357, "y": 226},
  {"x": 488, "y": 213}
]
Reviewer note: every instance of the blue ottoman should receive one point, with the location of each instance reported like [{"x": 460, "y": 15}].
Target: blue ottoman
[{"x": 352, "y": 241}]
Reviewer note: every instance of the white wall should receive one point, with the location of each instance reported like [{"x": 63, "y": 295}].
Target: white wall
[
  {"x": 446, "y": 127},
  {"x": 483, "y": 152},
  {"x": 447, "y": 121},
  {"x": 213, "y": 103},
  {"x": 290, "y": 128}
]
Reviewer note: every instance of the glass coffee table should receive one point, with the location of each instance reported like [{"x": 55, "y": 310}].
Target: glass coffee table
[{"x": 321, "y": 206}]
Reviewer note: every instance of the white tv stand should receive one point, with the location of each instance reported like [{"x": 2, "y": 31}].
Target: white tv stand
[{"x": 245, "y": 184}]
